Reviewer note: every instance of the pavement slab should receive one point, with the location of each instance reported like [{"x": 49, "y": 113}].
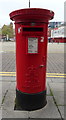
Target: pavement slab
[
  {"x": 9, "y": 112},
  {"x": 48, "y": 80},
  {"x": 57, "y": 90},
  {"x": 9, "y": 103},
  {"x": 58, "y": 80},
  {"x": 0, "y": 93},
  {"x": 57, "y": 86},
  {"x": 65, "y": 112},
  {"x": 5, "y": 87},
  {"x": 59, "y": 97},
  {"x": 49, "y": 111},
  {"x": 14, "y": 114},
  {"x": 0, "y": 114},
  {"x": 61, "y": 108},
  {"x": 48, "y": 91}
]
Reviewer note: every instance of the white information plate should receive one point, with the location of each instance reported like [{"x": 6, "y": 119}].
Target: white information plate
[{"x": 32, "y": 45}]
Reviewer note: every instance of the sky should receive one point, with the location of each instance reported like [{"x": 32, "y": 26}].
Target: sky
[{"x": 7, "y": 6}]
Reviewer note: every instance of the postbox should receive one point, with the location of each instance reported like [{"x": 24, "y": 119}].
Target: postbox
[{"x": 31, "y": 56}]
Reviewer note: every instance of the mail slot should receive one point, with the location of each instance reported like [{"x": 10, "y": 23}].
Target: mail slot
[{"x": 31, "y": 57}]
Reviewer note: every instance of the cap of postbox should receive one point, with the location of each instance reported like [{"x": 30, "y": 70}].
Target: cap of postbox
[{"x": 32, "y": 15}]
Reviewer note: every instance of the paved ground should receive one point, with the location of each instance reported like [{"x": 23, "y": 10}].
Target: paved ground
[{"x": 56, "y": 80}]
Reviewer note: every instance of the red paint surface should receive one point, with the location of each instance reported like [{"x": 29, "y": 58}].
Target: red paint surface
[{"x": 30, "y": 75}]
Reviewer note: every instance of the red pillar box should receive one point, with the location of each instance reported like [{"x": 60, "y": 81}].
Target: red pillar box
[{"x": 31, "y": 55}]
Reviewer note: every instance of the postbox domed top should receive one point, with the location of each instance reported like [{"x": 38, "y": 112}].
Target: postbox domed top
[{"x": 32, "y": 15}]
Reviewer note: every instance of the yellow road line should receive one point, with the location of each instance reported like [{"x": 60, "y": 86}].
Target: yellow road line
[
  {"x": 46, "y": 73},
  {"x": 55, "y": 74},
  {"x": 58, "y": 75},
  {"x": 46, "y": 76},
  {"x": 7, "y": 75}
]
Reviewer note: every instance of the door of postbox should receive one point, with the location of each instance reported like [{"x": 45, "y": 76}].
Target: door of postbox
[{"x": 32, "y": 59}]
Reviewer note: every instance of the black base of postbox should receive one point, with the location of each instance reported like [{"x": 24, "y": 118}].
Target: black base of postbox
[{"x": 30, "y": 102}]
